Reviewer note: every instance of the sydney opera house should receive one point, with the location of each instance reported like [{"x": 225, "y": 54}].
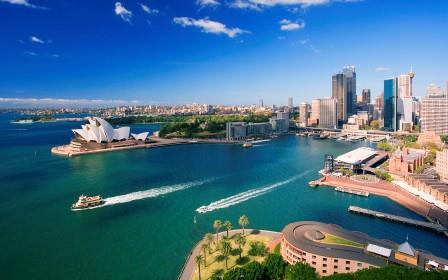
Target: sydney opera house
[
  {"x": 100, "y": 131},
  {"x": 98, "y": 135}
]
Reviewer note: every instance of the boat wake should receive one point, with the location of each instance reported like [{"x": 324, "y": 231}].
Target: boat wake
[
  {"x": 152, "y": 192},
  {"x": 244, "y": 196}
]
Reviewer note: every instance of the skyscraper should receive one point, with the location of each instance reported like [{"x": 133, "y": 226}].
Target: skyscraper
[
  {"x": 434, "y": 114},
  {"x": 339, "y": 93},
  {"x": 350, "y": 75},
  {"x": 390, "y": 104},
  {"x": 433, "y": 90},
  {"x": 365, "y": 96},
  {"x": 328, "y": 113},
  {"x": 315, "y": 111},
  {"x": 290, "y": 103},
  {"x": 303, "y": 114},
  {"x": 344, "y": 91}
]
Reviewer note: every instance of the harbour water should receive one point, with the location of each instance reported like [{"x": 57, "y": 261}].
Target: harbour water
[{"x": 146, "y": 228}]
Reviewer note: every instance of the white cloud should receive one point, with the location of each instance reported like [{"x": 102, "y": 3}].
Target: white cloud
[
  {"x": 59, "y": 102},
  {"x": 25, "y": 3},
  {"x": 314, "y": 48},
  {"x": 382, "y": 69},
  {"x": 31, "y": 53},
  {"x": 259, "y": 4},
  {"x": 148, "y": 10},
  {"x": 35, "y": 39},
  {"x": 210, "y": 3},
  {"x": 287, "y": 25},
  {"x": 209, "y": 26},
  {"x": 122, "y": 12}
]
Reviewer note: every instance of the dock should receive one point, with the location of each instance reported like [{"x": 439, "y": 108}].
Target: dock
[
  {"x": 426, "y": 225},
  {"x": 350, "y": 191}
]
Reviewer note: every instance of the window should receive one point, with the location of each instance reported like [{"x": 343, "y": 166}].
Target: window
[
  {"x": 313, "y": 257},
  {"x": 313, "y": 263},
  {"x": 325, "y": 259},
  {"x": 347, "y": 262},
  {"x": 324, "y": 265},
  {"x": 324, "y": 271},
  {"x": 347, "y": 268},
  {"x": 335, "y": 260},
  {"x": 359, "y": 264},
  {"x": 335, "y": 267}
]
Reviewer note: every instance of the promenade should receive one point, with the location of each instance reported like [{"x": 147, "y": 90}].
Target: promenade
[
  {"x": 393, "y": 192},
  {"x": 190, "y": 265},
  {"x": 66, "y": 150}
]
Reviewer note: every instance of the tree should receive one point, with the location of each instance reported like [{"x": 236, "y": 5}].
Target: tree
[
  {"x": 228, "y": 226},
  {"x": 225, "y": 249},
  {"x": 300, "y": 271},
  {"x": 251, "y": 271},
  {"x": 217, "y": 226},
  {"x": 375, "y": 124},
  {"x": 243, "y": 221},
  {"x": 204, "y": 247},
  {"x": 275, "y": 266},
  {"x": 240, "y": 240},
  {"x": 199, "y": 259},
  {"x": 257, "y": 248},
  {"x": 209, "y": 239}
]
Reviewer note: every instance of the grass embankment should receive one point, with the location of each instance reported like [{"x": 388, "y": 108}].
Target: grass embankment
[
  {"x": 216, "y": 261},
  {"x": 337, "y": 240}
]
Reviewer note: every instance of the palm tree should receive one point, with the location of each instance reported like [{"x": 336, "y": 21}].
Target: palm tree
[
  {"x": 228, "y": 226},
  {"x": 204, "y": 247},
  {"x": 199, "y": 259},
  {"x": 217, "y": 226},
  {"x": 243, "y": 221},
  {"x": 225, "y": 249},
  {"x": 209, "y": 239},
  {"x": 240, "y": 240}
]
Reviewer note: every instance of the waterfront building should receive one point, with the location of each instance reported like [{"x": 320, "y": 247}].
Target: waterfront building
[
  {"x": 330, "y": 249},
  {"x": 236, "y": 131},
  {"x": 365, "y": 97},
  {"x": 406, "y": 161},
  {"x": 328, "y": 111},
  {"x": 100, "y": 131},
  {"x": 280, "y": 122},
  {"x": 442, "y": 165},
  {"x": 434, "y": 114},
  {"x": 303, "y": 114},
  {"x": 355, "y": 159},
  {"x": 430, "y": 189}
]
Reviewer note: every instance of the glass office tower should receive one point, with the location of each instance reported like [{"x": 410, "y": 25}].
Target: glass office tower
[{"x": 390, "y": 104}]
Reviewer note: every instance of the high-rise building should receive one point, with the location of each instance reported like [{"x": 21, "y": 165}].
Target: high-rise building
[
  {"x": 344, "y": 91},
  {"x": 350, "y": 75},
  {"x": 261, "y": 103},
  {"x": 434, "y": 114},
  {"x": 442, "y": 165},
  {"x": 303, "y": 114},
  {"x": 315, "y": 111},
  {"x": 290, "y": 103},
  {"x": 365, "y": 97},
  {"x": 390, "y": 104},
  {"x": 433, "y": 90},
  {"x": 339, "y": 92},
  {"x": 328, "y": 111}
]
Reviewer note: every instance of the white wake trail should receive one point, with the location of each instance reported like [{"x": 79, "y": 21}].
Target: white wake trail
[
  {"x": 244, "y": 196},
  {"x": 152, "y": 192}
]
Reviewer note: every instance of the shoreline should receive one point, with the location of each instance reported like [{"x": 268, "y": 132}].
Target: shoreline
[{"x": 394, "y": 193}]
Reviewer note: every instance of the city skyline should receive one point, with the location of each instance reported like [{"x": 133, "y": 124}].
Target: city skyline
[{"x": 129, "y": 52}]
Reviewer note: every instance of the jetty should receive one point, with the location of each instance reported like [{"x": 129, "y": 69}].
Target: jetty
[
  {"x": 350, "y": 191},
  {"x": 426, "y": 225},
  {"x": 317, "y": 182}
]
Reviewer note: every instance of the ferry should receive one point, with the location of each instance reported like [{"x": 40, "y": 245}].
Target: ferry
[
  {"x": 247, "y": 145},
  {"x": 204, "y": 209},
  {"x": 86, "y": 202}
]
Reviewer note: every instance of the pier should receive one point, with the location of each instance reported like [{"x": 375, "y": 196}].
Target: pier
[
  {"x": 427, "y": 225},
  {"x": 350, "y": 191}
]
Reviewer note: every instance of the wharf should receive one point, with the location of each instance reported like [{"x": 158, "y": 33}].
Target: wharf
[
  {"x": 427, "y": 225},
  {"x": 350, "y": 191}
]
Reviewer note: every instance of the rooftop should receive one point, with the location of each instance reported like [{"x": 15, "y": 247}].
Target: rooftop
[{"x": 357, "y": 156}]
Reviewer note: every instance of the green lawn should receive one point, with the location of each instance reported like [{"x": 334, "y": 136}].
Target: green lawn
[
  {"x": 337, "y": 240},
  {"x": 215, "y": 261}
]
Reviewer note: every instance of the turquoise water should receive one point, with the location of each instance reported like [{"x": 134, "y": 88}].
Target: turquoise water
[{"x": 41, "y": 238}]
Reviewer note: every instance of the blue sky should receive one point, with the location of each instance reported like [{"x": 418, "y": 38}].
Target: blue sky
[{"x": 215, "y": 51}]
